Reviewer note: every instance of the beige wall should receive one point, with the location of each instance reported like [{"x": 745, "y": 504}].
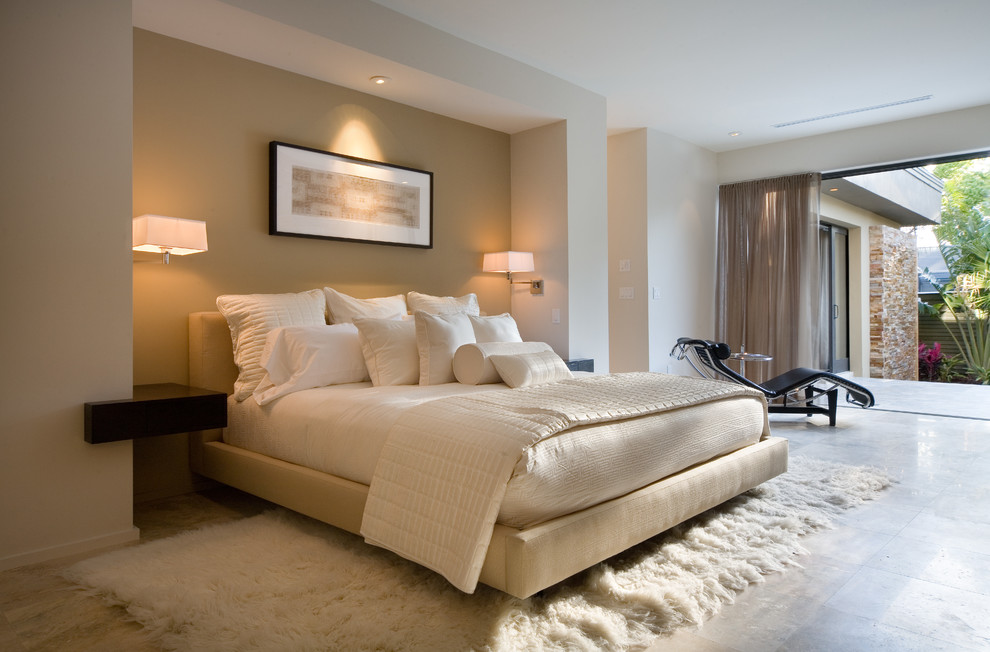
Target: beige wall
[
  {"x": 202, "y": 124},
  {"x": 628, "y": 228},
  {"x": 539, "y": 224},
  {"x": 65, "y": 269}
]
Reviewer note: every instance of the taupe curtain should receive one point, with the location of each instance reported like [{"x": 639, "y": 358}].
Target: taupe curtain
[{"x": 768, "y": 294}]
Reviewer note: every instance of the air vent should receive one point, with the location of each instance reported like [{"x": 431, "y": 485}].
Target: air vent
[{"x": 852, "y": 111}]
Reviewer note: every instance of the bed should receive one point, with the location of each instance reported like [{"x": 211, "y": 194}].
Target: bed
[{"x": 543, "y": 533}]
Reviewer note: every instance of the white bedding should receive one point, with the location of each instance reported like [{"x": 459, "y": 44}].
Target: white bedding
[{"x": 341, "y": 430}]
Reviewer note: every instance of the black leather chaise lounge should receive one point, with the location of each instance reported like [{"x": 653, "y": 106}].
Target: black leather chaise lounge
[{"x": 784, "y": 391}]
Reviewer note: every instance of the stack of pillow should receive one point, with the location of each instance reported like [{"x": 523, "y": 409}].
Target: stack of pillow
[{"x": 288, "y": 342}]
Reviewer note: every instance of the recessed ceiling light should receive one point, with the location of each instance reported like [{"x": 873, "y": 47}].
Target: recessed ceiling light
[
  {"x": 381, "y": 79},
  {"x": 833, "y": 190},
  {"x": 734, "y": 133}
]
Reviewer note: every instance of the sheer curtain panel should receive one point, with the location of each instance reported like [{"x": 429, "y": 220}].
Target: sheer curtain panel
[{"x": 768, "y": 293}]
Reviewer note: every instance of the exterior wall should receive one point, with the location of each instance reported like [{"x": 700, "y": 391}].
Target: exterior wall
[
  {"x": 893, "y": 304},
  {"x": 858, "y": 221}
]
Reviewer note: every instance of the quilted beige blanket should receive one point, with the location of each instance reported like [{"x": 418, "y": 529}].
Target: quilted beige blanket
[{"x": 443, "y": 471}]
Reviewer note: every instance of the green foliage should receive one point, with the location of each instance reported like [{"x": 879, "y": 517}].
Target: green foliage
[{"x": 964, "y": 240}]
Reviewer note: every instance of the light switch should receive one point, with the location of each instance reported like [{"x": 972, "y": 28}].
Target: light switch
[
  {"x": 656, "y": 292},
  {"x": 625, "y": 265},
  {"x": 555, "y": 316},
  {"x": 627, "y": 293}
]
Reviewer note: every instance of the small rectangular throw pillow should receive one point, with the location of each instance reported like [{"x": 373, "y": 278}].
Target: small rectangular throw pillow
[
  {"x": 252, "y": 316},
  {"x": 527, "y": 369},
  {"x": 473, "y": 365},
  {"x": 443, "y": 305},
  {"x": 303, "y": 357},
  {"x": 343, "y": 308},
  {"x": 496, "y": 328},
  {"x": 389, "y": 348},
  {"x": 437, "y": 338}
]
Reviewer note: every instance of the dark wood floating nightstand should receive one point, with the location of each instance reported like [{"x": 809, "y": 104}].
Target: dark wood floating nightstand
[
  {"x": 161, "y": 409},
  {"x": 581, "y": 364}
]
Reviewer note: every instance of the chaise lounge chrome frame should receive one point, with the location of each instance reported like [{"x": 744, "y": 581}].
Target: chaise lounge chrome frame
[{"x": 793, "y": 392}]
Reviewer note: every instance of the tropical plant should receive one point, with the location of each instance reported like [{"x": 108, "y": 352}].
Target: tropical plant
[
  {"x": 935, "y": 366},
  {"x": 964, "y": 240}
]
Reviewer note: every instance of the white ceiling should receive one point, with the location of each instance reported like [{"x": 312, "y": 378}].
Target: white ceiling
[{"x": 696, "y": 69}]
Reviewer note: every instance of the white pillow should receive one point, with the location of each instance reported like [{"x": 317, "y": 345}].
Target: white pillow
[
  {"x": 473, "y": 366},
  {"x": 497, "y": 328},
  {"x": 443, "y": 305},
  {"x": 527, "y": 369},
  {"x": 301, "y": 357},
  {"x": 342, "y": 308},
  {"x": 251, "y": 317},
  {"x": 437, "y": 338},
  {"x": 389, "y": 349}
]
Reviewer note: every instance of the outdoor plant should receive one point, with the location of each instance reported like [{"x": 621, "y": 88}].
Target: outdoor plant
[
  {"x": 935, "y": 366},
  {"x": 964, "y": 240}
]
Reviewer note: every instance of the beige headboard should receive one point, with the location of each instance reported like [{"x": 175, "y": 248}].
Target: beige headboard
[{"x": 211, "y": 354}]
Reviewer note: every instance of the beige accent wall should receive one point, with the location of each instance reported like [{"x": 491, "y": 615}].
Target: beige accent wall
[
  {"x": 628, "y": 229},
  {"x": 539, "y": 224},
  {"x": 65, "y": 267},
  {"x": 202, "y": 124}
]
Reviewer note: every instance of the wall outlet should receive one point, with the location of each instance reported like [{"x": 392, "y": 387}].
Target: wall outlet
[
  {"x": 625, "y": 265},
  {"x": 555, "y": 316}
]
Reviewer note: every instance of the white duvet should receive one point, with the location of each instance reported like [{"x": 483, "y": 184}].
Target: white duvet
[{"x": 341, "y": 430}]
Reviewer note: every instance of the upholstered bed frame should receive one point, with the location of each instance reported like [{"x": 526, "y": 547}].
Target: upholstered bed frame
[{"x": 519, "y": 562}]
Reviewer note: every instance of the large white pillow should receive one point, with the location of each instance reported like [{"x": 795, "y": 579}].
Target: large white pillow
[
  {"x": 443, "y": 305},
  {"x": 437, "y": 338},
  {"x": 389, "y": 349},
  {"x": 301, "y": 357},
  {"x": 343, "y": 308},
  {"x": 472, "y": 365},
  {"x": 496, "y": 328},
  {"x": 252, "y": 316},
  {"x": 525, "y": 369}
]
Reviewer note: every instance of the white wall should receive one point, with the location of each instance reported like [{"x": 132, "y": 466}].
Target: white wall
[
  {"x": 662, "y": 194},
  {"x": 65, "y": 265},
  {"x": 954, "y": 132},
  {"x": 683, "y": 194}
]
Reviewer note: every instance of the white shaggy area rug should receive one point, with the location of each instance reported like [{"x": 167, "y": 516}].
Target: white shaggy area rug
[{"x": 279, "y": 581}]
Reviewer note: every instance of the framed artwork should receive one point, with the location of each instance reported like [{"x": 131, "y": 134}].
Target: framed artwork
[{"x": 317, "y": 194}]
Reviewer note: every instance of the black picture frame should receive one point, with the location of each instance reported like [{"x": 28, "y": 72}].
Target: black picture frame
[{"x": 318, "y": 194}]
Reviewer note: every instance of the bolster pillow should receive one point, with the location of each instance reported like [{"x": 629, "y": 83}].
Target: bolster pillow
[{"x": 472, "y": 366}]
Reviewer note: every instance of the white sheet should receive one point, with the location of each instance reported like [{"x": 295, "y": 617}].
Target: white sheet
[{"x": 341, "y": 430}]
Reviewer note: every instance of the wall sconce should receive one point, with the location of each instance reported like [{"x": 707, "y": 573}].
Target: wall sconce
[
  {"x": 513, "y": 261},
  {"x": 168, "y": 235}
]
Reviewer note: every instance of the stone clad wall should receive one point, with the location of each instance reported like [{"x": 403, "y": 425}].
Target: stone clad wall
[{"x": 893, "y": 304}]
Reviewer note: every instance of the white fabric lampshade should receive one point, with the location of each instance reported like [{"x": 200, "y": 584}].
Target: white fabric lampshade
[
  {"x": 157, "y": 234},
  {"x": 508, "y": 261}
]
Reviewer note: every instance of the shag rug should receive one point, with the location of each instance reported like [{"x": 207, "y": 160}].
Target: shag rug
[{"x": 279, "y": 581}]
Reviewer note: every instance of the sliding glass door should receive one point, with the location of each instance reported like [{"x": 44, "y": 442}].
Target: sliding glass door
[{"x": 834, "y": 248}]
